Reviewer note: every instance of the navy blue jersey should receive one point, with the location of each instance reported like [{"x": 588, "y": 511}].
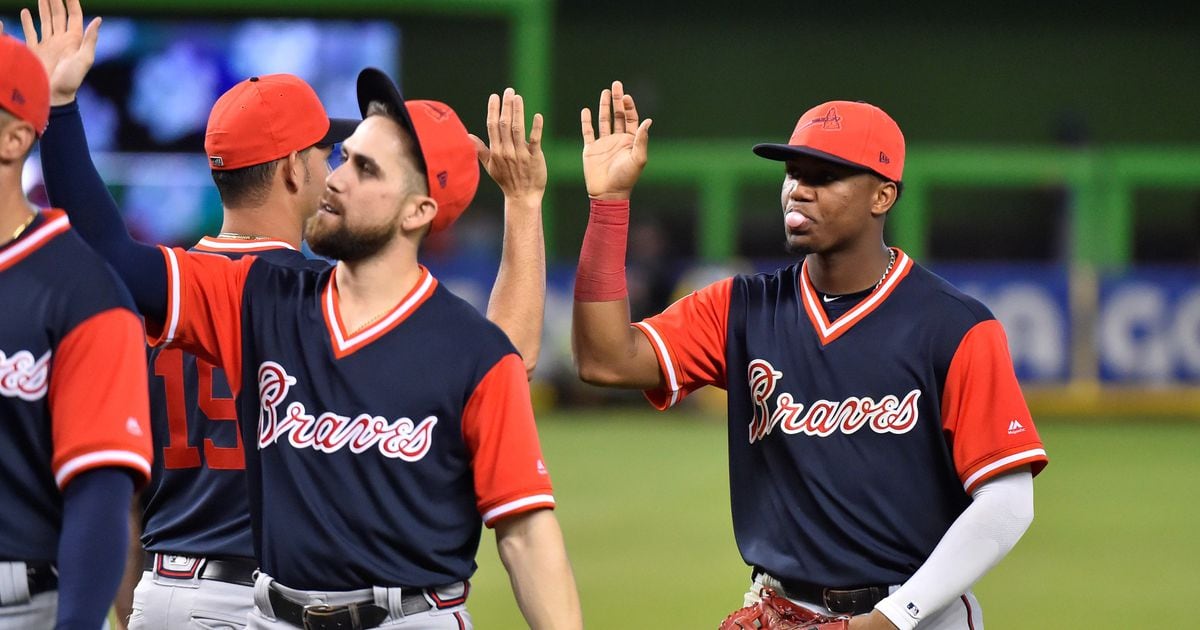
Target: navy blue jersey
[
  {"x": 379, "y": 452},
  {"x": 196, "y": 502},
  {"x": 72, "y": 381},
  {"x": 853, "y": 443}
]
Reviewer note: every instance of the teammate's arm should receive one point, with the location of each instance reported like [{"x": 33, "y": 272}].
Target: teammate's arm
[
  {"x": 532, "y": 549},
  {"x": 518, "y": 299},
  {"x": 67, "y": 52},
  {"x": 608, "y": 351}
]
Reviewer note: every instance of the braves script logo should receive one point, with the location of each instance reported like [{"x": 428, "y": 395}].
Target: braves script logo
[
  {"x": 22, "y": 376},
  {"x": 889, "y": 414},
  {"x": 329, "y": 432},
  {"x": 831, "y": 121}
]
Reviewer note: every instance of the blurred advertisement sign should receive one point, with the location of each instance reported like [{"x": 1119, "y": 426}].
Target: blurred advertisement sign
[{"x": 1148, "y": 327}]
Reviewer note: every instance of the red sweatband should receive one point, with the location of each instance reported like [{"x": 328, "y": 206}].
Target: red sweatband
[{"x": 601, "y": 273}]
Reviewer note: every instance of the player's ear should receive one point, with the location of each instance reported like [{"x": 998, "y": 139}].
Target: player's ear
[
  {"x": 884, "y": 197},
  {"x": 293, "y": 170},
  {"x": 418, "y": 212},
  {"x": 16, "y": 139}
]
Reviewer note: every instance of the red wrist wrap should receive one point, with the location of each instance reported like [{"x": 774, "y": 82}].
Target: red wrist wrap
[{"x": 601, "y": 273}]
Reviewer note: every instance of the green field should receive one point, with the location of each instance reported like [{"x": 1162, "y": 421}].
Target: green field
[{"x": 643, "y": 500}]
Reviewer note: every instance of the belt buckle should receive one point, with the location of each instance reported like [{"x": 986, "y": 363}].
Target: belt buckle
[
  {"x": 831, "y": 597},
  {"x": 317, "y": 616}
]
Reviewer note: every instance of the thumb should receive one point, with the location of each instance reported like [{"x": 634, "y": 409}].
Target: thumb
[
  {"x": 641, "y": 140},
  {"x": 90, "y": 37},
  {"x": 481, "y": 149}
]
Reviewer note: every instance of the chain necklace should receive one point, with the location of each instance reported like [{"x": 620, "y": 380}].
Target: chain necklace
[
  {"x": 21, "y": 228},
  {"x": 244, "y": 237},
  {"x": 891, "y": 263}
]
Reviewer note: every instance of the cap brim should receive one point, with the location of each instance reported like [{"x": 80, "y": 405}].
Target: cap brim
[
  {"x": 375, "y": 85},
  {"x": 785, "y": 152},
  {"x": 339, "y": 130}
]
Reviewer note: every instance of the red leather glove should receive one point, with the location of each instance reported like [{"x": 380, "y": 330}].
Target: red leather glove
[{"x": 773, "y": 612}]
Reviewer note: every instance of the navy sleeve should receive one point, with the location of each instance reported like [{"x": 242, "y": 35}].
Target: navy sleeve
[
  {"x": 91, "y": 550},
  {"x": 74, "y": 185}
]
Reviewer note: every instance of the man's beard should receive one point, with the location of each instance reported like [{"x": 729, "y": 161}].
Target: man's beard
[{"x": 342, "y": 243}]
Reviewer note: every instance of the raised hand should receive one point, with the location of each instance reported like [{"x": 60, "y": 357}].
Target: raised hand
[
  {"x": 517, "y": 166},
  {"x": 67, "y": 50},
  {"x": 613, "y": 161}
]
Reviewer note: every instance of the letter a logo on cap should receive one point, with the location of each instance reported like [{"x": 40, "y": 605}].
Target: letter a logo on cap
[
  {"x": 17, "y": 97},
  {"x": 831, "y": 121}
]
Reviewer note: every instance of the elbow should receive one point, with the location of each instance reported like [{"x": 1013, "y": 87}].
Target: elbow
[
  {"x": 530, "y": 365},
  {"x": 594, "y": 373}
]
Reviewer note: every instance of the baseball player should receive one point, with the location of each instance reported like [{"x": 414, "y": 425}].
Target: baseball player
[
  {"x": 392, "y": 418},
  {"x": 881, "y": 453},
  {"x": 266, "y": 138},
  {"x": 73, "y": 412}
]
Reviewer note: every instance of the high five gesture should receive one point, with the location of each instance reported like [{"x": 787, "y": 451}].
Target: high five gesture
[{"x": 614, "y": 159}]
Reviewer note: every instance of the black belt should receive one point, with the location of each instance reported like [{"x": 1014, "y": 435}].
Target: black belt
[
  {"x": 230, "y": 569},
  {"x": 356, "y": 616},
  {"x": 858, "y": 600},
  {"x": 42, "y": 577}
]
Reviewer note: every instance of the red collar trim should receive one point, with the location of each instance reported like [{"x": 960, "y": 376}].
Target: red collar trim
[
  {"x": 828, "y": 331},
  {"x": 345, "y": 344},
  {"x": 56, "y": 222}
]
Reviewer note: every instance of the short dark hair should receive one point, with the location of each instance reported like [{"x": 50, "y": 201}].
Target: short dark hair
[
  {"x": 249, "y": 186},
  {"x": 245, "y": 187},
  {"x": 380, "y": 108}
]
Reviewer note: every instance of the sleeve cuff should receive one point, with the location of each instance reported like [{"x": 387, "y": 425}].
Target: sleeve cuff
[
  {"x": 517, "y": 506},
  {"x": 896, "y": 613}
]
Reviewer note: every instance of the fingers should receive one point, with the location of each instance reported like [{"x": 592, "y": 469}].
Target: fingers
[
  {"x": 535, "y": 135},
  {"x": 74, "y": 16},
  {"x": 503, "y": 141},
  {"x": 631, "y": 115},
  {"x": 58, "y": 18},
  {"x": 618, "y": 105},
  {"x": 27, "y": 26},
  {"x": 45, "y": 15},
  {"x": 518, "y": 121},
  {"x": 493, "y": 119},
  {"x": 603, "y": 113},
  {"x": 641, "y": 141},
  {"x": 481, "y": 150},
  {"x": 585, "y": 120}
]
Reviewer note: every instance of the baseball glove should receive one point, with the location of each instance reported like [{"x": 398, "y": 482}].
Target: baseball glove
[{"x": 773, "y": 612}]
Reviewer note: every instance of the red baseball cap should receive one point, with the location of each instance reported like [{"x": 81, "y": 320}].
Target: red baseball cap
[
  {"x": 265, "y": 118},
  {"x": 443, "y": 146},
  {"x": 846, "y": 132},
  {"x": 24, "y": 87}
]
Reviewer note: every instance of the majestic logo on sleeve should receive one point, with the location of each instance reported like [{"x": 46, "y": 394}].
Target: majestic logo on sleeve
[
  {"x": 24, "y": 377},
  {"x": 890, "y": 414},
  {"x": 330, "y": 432}
]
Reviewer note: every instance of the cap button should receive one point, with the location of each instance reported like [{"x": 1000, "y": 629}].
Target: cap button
[{"x": 253, "y": 79}]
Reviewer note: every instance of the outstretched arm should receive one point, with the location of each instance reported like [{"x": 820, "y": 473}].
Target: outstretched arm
[
  {"x": 608, "y": 351},
  {"x": 72, "y": 182},
  {"x": 532, "y": 549},
  {"x": 518, "y": 299}
]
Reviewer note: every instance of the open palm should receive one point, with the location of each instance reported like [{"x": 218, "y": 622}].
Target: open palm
[
  {"x": 65, "y": 49},
  {"x": 613, "y": 160}
]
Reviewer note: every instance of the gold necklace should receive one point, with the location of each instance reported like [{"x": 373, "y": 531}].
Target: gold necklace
[
  {"x": 244, "y": 237},
  {"x": 21, "y": 228},
  {"x": 891, "y": 263},
  {"x": 371, "y": 321}
]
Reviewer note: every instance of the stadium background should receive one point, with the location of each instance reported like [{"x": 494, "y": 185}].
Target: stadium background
[{"x": 1054, "y": 172}]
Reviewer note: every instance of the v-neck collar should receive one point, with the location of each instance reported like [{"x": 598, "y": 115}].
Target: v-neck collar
[
  {"x": 47, "y": 225},
  {"x": 344, "y": 343},
  {"x": 219, "y": 244},
  {"x": 828, "y": 331}
]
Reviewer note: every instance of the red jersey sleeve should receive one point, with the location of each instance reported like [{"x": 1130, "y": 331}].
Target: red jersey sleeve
[
  {"x": 498, "y": 427},
  {"x": 204, "y": 308},
  {"x": 689, "y": 340},
  {"x": 100, "y": 416},
  {"x": 984, "y": 415}
]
